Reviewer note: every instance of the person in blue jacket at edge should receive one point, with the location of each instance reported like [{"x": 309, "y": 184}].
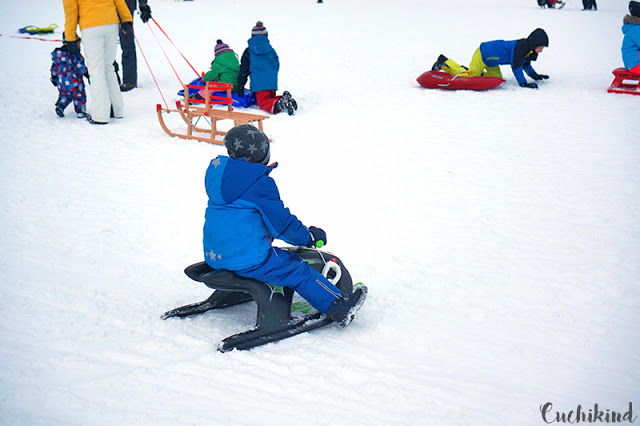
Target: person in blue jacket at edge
[
  {"x": 490, "y": 55},
  {"x": 245, "y": 214}
]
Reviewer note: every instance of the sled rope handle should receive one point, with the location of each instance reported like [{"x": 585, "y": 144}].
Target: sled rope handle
[
  {"x": 149, "y": 66},
  {"x": 167, "y": 57},
  {"x": 168, "y": 38}
]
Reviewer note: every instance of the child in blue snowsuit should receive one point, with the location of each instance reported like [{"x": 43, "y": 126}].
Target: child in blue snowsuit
[
  {"x": 631, "y": 41},
  {"x": 245, "y": 214},
  {"x": 67, "y": 71},
  {"x": 261, "y": 64},
  {"x": 490, "y": 55}
]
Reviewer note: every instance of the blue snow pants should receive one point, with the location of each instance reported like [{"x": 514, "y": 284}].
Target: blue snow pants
[{"x": 288, "y": 269}]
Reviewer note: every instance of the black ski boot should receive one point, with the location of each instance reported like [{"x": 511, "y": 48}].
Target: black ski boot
[
  {"x": 343, "y": 310},
  {"x": 439, "y": 63},
  {"x": 59, "y": 112}
]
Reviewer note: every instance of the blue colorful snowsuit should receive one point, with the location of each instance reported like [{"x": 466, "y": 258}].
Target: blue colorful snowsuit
[
  {"x": 70, "y": 70},
  {"x": 244, "y": 214},
  {"x": 631, "y": 43}
]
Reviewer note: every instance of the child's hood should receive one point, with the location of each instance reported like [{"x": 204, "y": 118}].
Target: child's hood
[
  {"x": 228, "y": 59},
  {"x": 228, "y": 178},
  {"x": 629, "y": 21},
  {"x": 259, "y": 45}
]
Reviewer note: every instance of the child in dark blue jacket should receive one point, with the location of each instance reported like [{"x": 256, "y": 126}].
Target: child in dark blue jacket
[
  {"x": 67, "y": 71},
  {"x": 490, "y": 55},
  {"x": 245, "y": 214},
  {"x": 631, "y": 40},
  {"x": 261, "y": 64}
]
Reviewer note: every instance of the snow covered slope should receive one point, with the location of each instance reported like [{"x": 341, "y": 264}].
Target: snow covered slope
[{"x": 498, "y": 232}]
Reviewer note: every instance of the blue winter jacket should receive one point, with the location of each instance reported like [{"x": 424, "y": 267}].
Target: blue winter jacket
[
  {"x": 631, "y": 42},
  {"x": 244, "y": 214},
  {"x": 512, "y": 52},
  {"x": 261, "y": 63}
]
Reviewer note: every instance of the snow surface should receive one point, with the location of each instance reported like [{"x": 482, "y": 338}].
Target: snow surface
[{"x": 498, "y": 232}]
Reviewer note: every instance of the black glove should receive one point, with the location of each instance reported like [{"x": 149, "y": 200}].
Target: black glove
[
  {"x": 242, "y": 80},
  {"x": 529, "y": 85},
  {"x": 537, "y": 76},
  {"x": 86, "y": 74},
  {"x": 145, "y": 13},
  {"x": 72, "y": 48},
  {"x": 54, "y": 79},
  {"x": 240, "y": 90},
  {"x": 318, "y": 237}
]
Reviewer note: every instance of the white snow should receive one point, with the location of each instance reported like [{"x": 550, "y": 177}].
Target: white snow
[{"x": 498, "y": 232}]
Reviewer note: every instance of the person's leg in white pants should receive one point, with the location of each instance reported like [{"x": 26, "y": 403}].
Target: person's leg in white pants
[{"x": 100, "y": 46}]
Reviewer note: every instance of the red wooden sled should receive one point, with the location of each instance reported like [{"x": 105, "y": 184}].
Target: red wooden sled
[
  {"x": 444, "y": 80},
  {"x": 625, "y": 82}
]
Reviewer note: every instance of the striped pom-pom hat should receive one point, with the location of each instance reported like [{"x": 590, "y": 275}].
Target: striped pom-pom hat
[
  {"x": 221, "y": 48},
  {"x": 259, "y": 29}
]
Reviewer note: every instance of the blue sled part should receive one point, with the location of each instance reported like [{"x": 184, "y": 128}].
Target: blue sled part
[{"x": 245, "y": 101}]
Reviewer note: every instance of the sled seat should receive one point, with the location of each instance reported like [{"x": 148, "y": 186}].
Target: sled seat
[
  {"x": 208, "y": 112},
  {"x": 274, "y": 319},
  {"x": 625, "y": 81}
]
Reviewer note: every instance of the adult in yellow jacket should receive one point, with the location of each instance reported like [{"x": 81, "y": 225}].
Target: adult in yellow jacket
[{"x": 99, "y": 23}]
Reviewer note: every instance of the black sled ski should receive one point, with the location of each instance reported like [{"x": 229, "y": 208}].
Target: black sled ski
[{"x": 274, "y": 317}]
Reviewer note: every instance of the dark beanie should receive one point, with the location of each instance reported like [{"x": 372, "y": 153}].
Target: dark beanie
[
  {"x": 259, "y": 29},
  {"x": 221, "y": 48},
  {"x": 634, "y": 8},
  {"x": 538, "y": 38},
  {"x": 248, "y": 142}
]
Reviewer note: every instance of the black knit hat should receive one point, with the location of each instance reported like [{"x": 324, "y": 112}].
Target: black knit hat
[
  {"x": 248, "y": 142},
  {"x": 538, "y": 38},
  {"x": 634, "y": 8}
]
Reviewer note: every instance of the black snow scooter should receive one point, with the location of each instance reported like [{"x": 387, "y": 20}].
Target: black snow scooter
[{"x": 276, "y": 320}]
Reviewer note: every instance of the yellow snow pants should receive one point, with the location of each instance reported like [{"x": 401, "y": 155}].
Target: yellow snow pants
[{"x": 477, "y": 67}]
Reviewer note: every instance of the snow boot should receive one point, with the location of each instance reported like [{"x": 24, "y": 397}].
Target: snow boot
[
  {"x": 59, "y": 112},
  {"x": 439, "y": 63},
  {"x": 290, "y": 100},
  {"x": 283, "y": 105},
  {"x": 343, "y": 310},
  {"x": 92, "y": 121}
]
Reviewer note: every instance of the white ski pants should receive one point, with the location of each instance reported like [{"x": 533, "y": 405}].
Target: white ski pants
[{"x": 100, "y": 45}]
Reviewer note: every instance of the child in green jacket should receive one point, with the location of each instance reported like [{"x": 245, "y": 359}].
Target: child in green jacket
[{"x": 224, "y": 67}]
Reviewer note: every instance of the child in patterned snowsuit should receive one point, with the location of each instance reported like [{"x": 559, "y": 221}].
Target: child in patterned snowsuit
[{"x": 67, "y": 71}]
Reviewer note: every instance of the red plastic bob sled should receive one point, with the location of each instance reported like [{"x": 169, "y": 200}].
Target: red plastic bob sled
[
  {"x": 444, "y": 80},
  {"x": 625, "y": 82}
]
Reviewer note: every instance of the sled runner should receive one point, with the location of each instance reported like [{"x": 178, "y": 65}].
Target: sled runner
[
  {"x": 276, "y": 320},
  {"x": 625, "y": 82},
  {"x": 444, "y": 80},
  {"x": 202, "y": 112}
]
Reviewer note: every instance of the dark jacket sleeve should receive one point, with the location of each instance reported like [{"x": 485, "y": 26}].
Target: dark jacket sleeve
[{"x": 244, "y": 64}]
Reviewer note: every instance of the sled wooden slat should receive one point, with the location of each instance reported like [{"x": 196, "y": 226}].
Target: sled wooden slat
[{"x": 194, "y": 113}]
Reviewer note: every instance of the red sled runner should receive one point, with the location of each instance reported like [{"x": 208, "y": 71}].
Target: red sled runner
[
  {"x": 444, "y": 80},
  {"x": 625, "y": 82}
]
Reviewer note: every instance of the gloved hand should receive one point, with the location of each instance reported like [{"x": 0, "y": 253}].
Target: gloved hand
[
  {"x": 318, "y": 237},
  {"x": 240, "y": 90},
  {"x": 86, "y": 74},
  {"x": 54, "y": 79},
  {"x": 529, "y": 85},
  {"x": 72, "y": 48},
  {"x": 536, "y": 76},
  {"x": 145, "y": 13}
]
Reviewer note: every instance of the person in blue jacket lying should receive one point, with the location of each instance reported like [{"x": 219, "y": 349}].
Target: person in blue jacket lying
[
  {"x": 490, "y": 55},
  {"x": 245, "y": 214}
]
